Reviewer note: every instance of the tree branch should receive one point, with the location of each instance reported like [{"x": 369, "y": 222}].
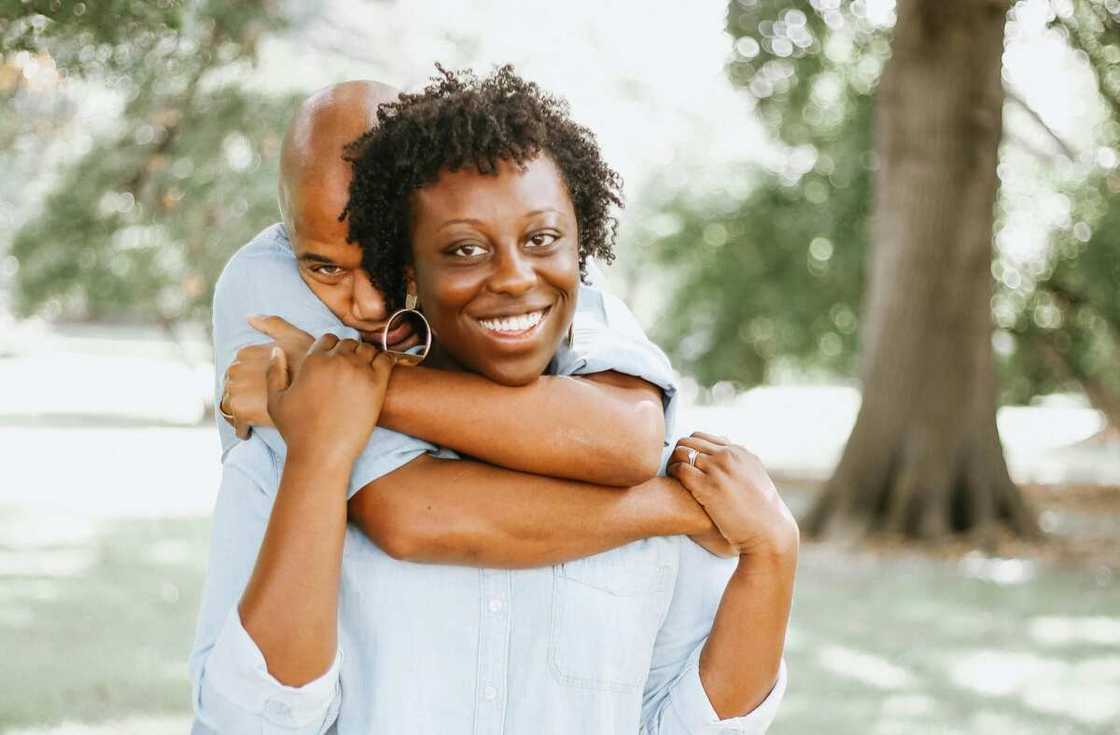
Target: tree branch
[{"x": 1015, "y": 97}]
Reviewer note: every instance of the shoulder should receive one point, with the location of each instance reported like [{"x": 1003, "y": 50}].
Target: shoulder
[
  {"x": 598, "y": 309},
  {"x": 269, "y": 249}
]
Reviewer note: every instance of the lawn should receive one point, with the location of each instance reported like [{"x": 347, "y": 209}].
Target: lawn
[{"x": 97, "y": 614}]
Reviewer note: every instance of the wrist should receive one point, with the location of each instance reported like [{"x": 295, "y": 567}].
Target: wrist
[
  {"x": 777, "y": 547},
  {"x": 322, "y": 458},
  {"x": 674, "y": 510}
]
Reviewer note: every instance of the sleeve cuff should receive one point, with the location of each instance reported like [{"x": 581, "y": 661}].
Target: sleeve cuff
[
  {"x": 386, "y": 452},
  {"x": 692, "y": 707},
  {"x": 237, "y": 671}
]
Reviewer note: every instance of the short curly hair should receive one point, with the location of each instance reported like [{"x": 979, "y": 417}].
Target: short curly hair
[{"x": 460, "y": 120}]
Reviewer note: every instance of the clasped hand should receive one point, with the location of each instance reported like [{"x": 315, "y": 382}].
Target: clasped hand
[
  {"x": 326, "y": 408},
  {"x": 245, "y": 398},
  {"x": 738, "y": 495}
]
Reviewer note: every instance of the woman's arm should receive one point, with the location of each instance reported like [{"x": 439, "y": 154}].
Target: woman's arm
[
  {"x": 290, "y": 605},
  {"x": 552, "y": 427},
  {"x": 750, "y": 623}
]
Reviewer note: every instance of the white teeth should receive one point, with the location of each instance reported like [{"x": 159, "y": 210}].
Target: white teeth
[{"x": 518, "y": 323}]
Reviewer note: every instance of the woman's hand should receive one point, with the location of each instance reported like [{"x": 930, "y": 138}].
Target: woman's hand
[
  {"x": 327, "y": 408},
  {"x": 245, "y": 396},
  {"x": 732, "y": 486}
]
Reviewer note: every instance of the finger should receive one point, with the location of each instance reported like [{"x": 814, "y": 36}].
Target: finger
[
  {"x": 345, "y": 347},
  {"x": 366, "y": 352},
  {"x": 713, "y": 438},
  {"x": 680, "y": 454},
  {"x": 383, "y": 364},
  {"x": 276, "y": 327},
  {"x": 689, "y": 476},
  {"x": 252, "y": 353},
  {"x": 703, "y": 445},
  {"x": 277, "y": 376},
  {"x": 242, "y": 430},
  {"x": 324, "y": 344},
  {"x": 223, "y": 405}
]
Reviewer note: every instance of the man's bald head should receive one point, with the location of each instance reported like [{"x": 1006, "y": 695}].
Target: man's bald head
[{"x": 314, "y": 180}]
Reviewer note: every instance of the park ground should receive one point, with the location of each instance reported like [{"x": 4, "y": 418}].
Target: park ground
[{"x": 104, "y": 521}]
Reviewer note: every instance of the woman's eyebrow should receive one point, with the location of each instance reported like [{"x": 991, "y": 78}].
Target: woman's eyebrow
[{"x": 460, "y": 221}]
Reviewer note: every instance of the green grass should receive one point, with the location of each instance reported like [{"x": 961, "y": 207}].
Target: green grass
[{"x": 95, "y": 632}]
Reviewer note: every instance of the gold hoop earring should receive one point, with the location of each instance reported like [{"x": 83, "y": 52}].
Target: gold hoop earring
[{"x": 415, "y": 355}]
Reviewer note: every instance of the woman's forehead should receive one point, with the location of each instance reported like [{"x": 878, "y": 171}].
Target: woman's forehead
[{"x": 515, "y": 191}]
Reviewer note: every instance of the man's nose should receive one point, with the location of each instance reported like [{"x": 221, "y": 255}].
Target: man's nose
[
  {"x": 513, "y": 275},
  {"x": 367, "y": 303}
]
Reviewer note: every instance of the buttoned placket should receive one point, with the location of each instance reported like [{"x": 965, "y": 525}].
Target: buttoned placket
[{"x": 493, "y": 651}]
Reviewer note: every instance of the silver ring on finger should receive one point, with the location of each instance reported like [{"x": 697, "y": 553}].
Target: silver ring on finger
[{"x": 692, "y": 455}]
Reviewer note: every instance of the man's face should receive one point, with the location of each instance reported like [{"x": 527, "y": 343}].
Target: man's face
[{"x": 332, "y": 269}]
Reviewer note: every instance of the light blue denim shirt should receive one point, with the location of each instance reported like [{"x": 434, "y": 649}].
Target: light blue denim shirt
[{"x": 605, "y": 644}]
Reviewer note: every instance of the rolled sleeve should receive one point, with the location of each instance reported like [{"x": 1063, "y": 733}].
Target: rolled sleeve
[
  {"x": 386, "y": 452},
  {"x": 690, "y": 710},
  {"x": 237, "y": 687}
]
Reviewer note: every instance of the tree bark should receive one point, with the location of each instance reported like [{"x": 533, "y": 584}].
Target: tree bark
[{"x": 924, "y": 458}]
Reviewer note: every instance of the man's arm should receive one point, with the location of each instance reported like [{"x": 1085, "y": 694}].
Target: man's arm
[
  {"x": 606, "y": 428},
  {"x": 465, "y": 512},
  {"x": 554, "y": 426}
]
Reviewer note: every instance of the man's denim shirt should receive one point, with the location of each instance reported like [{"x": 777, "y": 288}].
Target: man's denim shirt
[{"x": 605, "y": 644}]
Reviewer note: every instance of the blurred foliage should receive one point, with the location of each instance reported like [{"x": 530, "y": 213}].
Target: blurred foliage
[
  {"x": 1066, "y": 318},
  {"x": 779, "y": 279},
  {"x": 140, "y": 224}
]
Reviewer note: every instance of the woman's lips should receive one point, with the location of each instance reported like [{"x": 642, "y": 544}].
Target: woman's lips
[{"x": 516, "y": 326}]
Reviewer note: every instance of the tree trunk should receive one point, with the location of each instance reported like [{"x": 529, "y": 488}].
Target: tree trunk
[{"x": 924, "y": 458}]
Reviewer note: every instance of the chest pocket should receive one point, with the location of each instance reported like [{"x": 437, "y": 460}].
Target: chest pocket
[{"x": 606, "y": 611}]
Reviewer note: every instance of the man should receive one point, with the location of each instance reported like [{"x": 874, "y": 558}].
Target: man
[{"x": 419, "y": 507}]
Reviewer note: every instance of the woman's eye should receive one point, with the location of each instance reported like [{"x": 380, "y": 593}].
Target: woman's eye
[
  {"x": 543, "y": 239},
  {"x": 468, "y": 250}
]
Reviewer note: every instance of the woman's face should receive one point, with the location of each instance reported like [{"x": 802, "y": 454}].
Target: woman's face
[{"x": 496, "y": 266}]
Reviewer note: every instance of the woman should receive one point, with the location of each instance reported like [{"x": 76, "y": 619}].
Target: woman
[{"x": 482, "y": 200}]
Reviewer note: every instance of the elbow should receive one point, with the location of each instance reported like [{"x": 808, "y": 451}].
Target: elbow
[
  {"x": 399, "y": 538},
  {"x": 640, "y": 455}
]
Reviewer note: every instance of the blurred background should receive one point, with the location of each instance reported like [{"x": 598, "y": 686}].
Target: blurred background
[{"x": 139, "y": 142}]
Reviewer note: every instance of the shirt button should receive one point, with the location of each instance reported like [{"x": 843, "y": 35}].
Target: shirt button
[
  {"x": 495, "y": 605},
  {"x": 490, "y": 693},
  {"x": 277, "y": 708}
]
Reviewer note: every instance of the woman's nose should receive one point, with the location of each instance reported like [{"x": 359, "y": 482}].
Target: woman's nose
[
  {"x": 367, "y": 302},
  {"x": 514, "y": 274}
]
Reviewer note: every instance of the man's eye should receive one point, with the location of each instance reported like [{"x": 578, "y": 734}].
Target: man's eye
[
  {"x": 468, "y": 250},
  {"x": 328, "y": 270},
  {"x": 543, "y": 239}
]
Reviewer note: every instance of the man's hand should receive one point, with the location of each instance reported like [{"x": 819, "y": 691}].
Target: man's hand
[
  {"x": 328, "y": 407},
  {"x": 732, "y": 486},
  {"x": 245, "y": 396}
]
